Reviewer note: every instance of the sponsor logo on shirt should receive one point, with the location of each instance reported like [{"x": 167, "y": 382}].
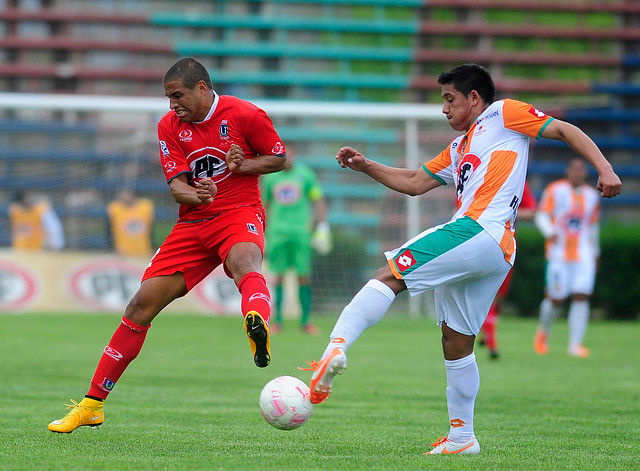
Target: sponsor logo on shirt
[
  {"x": 537, "y": 113},
  {"x": 170, "y": 166},
  {"x": 164, "y": 149},
  {"x": 405, "y": 260},
  {"x": 489, "y": 116},
  {"x": 278, "y": 149},
  {"x": 186, "y": 135},
  {"x": 466, "y": 167},
  {"x": 252, "y": 228}
]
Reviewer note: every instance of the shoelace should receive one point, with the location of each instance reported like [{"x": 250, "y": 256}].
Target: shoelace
[
  {"x": 439, "y": 441},
  {"x": 312, "y": 366},
  {"x": 75, "y": 406}
]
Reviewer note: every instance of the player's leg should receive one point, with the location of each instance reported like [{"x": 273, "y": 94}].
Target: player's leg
[
  {"x": 490, "y": 326},
  {"x": 302, "y": 263},
  {"x": 461, "y": 308},
  {"x": 125, "y": 345},
  {"x": 366, "y": 308},
  {"x": 556, "y": 291},
  {"x": 582, "y": 279},
  {"x": 279, "y": 256},
  {"x": 244, "y": 262}
]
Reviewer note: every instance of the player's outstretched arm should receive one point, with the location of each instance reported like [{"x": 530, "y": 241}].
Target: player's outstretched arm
[
  {"x": 609, "y": 183},
  {"x": 259, "y": 164},
  {"x": 403, "y": 180}
]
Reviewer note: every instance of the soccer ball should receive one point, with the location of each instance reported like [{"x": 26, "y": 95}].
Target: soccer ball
[{"x": 285, "y": 402}]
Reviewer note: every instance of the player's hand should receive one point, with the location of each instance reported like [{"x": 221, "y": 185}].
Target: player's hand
[
  {"x": 609, "y": 184},
  {"x": 235, "y": 157},
  {"x": 206, "y": 190},
  {"x": 348, "y": 157}
]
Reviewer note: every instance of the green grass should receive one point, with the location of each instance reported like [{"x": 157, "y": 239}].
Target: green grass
[{"x": 190, "y": 400}]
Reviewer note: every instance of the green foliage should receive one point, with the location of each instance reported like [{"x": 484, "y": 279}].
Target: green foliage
[
  {"x": 190, "y": 400},
  {"x": 617, "y": 290},
  {"x": 505, "y": 16}
]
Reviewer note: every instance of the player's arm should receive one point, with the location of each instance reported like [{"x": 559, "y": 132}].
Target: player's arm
[
  {"x": 260, "y": 164},
  {"x": 404, "y": 180},
  {"x": 183, "y": 193},
  {"x": 608, "y": 182}
]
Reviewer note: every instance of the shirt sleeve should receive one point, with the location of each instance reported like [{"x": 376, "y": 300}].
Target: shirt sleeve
[
  {"x": 315, "y": 190},
  {"x": 172, "y": 158},
  {"x": 262, "y": 137},
  {"x": 524, "y": 118},
  {"x": 440, "y": 167}
]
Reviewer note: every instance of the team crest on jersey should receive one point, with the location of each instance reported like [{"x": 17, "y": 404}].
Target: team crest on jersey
[
  {"x": 467, "y": 165},
  {"x": 252, "y": 228},
  {"x": 224, "y": 129},
  {"x": 186, "y": 135},
  {"x": 405, "y": 260}
]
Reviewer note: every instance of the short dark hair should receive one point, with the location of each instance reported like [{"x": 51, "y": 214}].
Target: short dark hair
[
  {"x": 188, "y": 71},
  {"x": 467, "y": 77}
]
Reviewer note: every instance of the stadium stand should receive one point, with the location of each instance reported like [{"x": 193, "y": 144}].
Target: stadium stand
[{"x": 578, "y": 60}]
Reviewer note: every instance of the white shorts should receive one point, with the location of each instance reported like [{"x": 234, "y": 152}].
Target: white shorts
[
  {"x": 566, "y": 278},
  {"x": 462, "y": 263}
]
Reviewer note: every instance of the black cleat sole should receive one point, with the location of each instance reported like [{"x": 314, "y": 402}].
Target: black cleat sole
[{"x": 258, "y": 333}]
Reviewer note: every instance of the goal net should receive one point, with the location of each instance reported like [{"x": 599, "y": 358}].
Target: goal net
[{"x": 80, "y": 152}]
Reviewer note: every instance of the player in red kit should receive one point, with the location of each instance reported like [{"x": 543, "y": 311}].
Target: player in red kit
[{"x": 212, "y": 150}]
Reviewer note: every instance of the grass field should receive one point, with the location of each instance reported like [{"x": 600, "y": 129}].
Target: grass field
[{"x": 190, "y": 400}]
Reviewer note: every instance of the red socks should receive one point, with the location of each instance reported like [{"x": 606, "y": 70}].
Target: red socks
[
  {"x": 124, "y": 346},
  {"x": 489, "y": 329},
  {"x": 255, "y": 295}
]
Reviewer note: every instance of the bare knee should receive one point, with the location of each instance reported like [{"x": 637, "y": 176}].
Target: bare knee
[
  {"x": 385, "y": 275},
  {"x": 456, "y": 345},
  {"x": 580, "y": 297}
]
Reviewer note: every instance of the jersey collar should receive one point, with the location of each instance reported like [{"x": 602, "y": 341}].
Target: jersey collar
[{"x": 212, "y": 110}]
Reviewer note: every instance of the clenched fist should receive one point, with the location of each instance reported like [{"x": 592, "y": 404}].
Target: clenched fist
[{"x": 234, "y": 158}]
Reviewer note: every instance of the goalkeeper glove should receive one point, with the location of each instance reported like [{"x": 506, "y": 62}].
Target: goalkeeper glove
[{"x": 321, "y": 238}]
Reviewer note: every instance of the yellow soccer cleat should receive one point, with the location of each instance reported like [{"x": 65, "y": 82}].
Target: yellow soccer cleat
[
  {"x": 258, "y": 332},
  {"x": 88, "y": 412}
]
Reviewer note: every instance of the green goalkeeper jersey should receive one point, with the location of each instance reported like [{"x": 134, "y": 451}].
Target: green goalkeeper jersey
[{"x": 289, "y": 196}]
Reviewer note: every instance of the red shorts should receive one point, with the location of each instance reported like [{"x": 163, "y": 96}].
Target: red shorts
[
  {"x": 506, "y": 284},
  {"x": 195, "y": 249}
]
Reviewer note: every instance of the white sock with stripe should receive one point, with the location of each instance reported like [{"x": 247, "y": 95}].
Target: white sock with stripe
[
  {"x": 366, "y": 308},
  {"x": 463, "y": 384},
  {"x": 578, "y": 320},
  {"x": 548, "y": 313}
]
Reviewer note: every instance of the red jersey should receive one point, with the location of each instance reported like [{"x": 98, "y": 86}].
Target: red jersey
[{"x": 199, "y": 149}]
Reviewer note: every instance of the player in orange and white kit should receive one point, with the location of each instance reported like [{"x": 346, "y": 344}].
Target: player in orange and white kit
[
  {"x": 465, "y": 260},
  {"x": 568, "y": 218}
]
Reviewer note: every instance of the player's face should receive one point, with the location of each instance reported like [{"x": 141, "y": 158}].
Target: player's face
[
  {"x": 189, "y": 104},
  {"x": 576, "y": 172},
  {"x": 457, "y": 107}
]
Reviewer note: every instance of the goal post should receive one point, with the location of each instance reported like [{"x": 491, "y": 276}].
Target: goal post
[{"x": 80, "y": 151}]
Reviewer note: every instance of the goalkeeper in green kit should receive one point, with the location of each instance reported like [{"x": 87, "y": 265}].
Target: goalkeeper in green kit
[{"x": 296, "y": 226}]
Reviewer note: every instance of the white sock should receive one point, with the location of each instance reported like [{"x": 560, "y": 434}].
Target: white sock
[
  {"x": 463, "y": 383},
  {"x": 366, "y": 308},
  {"x": 548, "y": 313},
  {"x": 578, "y": 320}
]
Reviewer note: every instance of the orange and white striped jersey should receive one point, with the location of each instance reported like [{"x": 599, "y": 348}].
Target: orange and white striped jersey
[
  {"x": 488, "y": 165},
  {"x": 573, "y": 213}
]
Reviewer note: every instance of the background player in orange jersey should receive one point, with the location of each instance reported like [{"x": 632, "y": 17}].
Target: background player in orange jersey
[
  {"x": 568, "y": 218},
  {"x": 212, "y": 150},
  {"x": 526, "y": 212},
  {"x": 466, "y": 259}
]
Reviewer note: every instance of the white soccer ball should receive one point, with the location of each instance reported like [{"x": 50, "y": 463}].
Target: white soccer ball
[{"x": 285, "y": 402}]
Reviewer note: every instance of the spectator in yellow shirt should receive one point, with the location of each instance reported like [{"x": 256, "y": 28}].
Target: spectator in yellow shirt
[
  {"x": 34, "y": 224},
  {"x": 131, "y": 219}
]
